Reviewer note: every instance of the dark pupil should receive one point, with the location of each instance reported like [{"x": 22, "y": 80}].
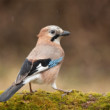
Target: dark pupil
[{"x": 52, "y": 31}]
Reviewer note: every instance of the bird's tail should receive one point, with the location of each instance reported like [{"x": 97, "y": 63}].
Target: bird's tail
[{"x": 10, "y": 92}]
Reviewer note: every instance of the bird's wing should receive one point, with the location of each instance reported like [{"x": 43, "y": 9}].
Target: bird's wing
[{"x": 29, "y": 67}]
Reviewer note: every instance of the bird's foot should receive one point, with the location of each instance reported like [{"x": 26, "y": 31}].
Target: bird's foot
[
  {"x": 65, "y": 92},
  {"x": 31, "y": 92},
  {"x": 27, "y": 93}
]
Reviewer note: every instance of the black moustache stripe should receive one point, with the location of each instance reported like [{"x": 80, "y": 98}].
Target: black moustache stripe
[{"x": 55, "y": 37}]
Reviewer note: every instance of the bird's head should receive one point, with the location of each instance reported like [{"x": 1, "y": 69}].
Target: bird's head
[{"x": 53, "y": 33}]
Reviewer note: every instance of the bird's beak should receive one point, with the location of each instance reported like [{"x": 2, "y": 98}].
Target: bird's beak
[{"x": 65, "y": 33}]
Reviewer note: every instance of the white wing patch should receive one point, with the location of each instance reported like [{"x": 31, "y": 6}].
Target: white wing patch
[
  {"x": 40, "y": 68},
  {"x": 32, "y": 78}
]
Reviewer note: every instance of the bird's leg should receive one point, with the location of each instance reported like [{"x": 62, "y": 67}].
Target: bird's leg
[
  {"x": 30, "y": 87},
  {"x": 65, "y": 92}
]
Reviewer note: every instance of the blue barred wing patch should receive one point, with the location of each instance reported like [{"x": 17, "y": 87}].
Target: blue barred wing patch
[{"x": 55, "y": 62}]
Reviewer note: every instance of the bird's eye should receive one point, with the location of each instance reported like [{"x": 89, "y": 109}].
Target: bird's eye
[{"x": 52, "y": 31}]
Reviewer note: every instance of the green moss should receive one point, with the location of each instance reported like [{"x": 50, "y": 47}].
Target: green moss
[{"x": 42, "y": 100}]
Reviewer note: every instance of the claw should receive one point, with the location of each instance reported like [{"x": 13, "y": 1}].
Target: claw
[
  {"x": 33, "y": 91},
  {"x": 66, "y": 93}
]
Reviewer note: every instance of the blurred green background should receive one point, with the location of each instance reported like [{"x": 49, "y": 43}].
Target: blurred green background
[{"x": 87, "y": 61}]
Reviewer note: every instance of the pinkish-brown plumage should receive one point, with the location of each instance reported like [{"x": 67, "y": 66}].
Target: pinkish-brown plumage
[
  {"x": 43, "y": 63},
  {"x": 44, "y": 49}
]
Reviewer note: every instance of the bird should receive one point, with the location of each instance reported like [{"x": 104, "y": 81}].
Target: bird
[{"x": 43, "y": 63}]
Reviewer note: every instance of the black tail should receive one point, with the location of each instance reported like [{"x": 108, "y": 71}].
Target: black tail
[{"x": 10, "y": 92}]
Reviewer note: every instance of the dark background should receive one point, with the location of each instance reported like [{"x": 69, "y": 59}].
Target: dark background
[{"x": 87, "y": 60}]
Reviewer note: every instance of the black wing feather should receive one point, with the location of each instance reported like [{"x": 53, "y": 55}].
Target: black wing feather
[
  {"x": 28, "y": 68},
  {"x": 44, "y": 62},
  {"x": 25, "y": 70}
]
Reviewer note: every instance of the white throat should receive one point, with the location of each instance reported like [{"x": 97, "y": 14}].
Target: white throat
[{"x": 57, "y": 41}]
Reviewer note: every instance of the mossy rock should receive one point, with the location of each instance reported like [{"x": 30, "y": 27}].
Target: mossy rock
[{"x": 42, "y": 100}]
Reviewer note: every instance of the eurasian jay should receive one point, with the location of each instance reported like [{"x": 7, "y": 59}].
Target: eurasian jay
[{"x": 43, "y": 63}]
